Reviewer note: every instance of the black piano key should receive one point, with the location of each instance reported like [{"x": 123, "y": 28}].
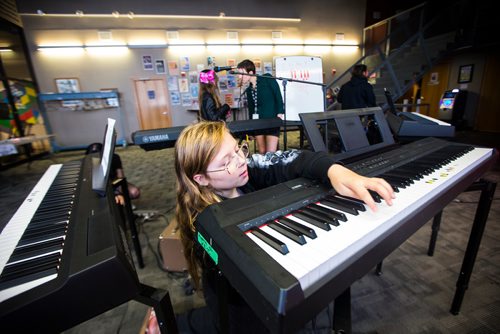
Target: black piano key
[
  {"x": 356, "y": 204},
  {"x": 40, "y": 237},
  {"x": 328, "y": 211},
  {"x": 376, "y": 197},
  {"x": 45, "y": 230},
  {"x": 24, "y": 253},
  {"x": 288, "y": 232},
  {"x": 54, "y": 208},
  {"x": 270, "y": 240},
  {"x": 307, "y": 231},
  {"x": 33, "y": 262},
  {"x": 46, "y": 216},
  {"x": 26, "y": 271},
  {"x": 28, "y": 278},
  {"x": 407, "y": 180},
  {"x": 394, "y": 182},
  {"x": 322, "y": 224},
  {"x": 332, "y": 202},
  {"x": 319, "y": 216},
  {"x": 44, "y": 223}
]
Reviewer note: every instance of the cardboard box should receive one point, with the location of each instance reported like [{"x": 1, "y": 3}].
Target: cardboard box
[{"x": 171, "y": 249}]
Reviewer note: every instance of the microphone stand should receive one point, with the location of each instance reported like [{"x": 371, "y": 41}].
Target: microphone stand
[{"x": 284, "y": 82}]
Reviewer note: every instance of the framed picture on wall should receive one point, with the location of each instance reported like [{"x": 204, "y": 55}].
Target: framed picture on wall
[
  {"x": 67, "y": 85},
  {"x": 465, "y": 73}
]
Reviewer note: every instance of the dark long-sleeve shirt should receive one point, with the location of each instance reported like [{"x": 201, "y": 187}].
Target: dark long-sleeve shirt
[{"x": 357, "y": 93}]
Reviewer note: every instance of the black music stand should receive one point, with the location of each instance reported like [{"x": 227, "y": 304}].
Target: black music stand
[{"x": 284, "y": 82}]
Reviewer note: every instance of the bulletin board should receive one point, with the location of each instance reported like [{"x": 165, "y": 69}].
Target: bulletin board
[{"x": 301, "y": 97}]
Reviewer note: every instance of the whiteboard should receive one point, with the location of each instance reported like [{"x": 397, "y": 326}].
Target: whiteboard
[{"x": 301, "y": 97}]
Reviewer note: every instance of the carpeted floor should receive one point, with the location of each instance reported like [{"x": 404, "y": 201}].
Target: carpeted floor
[{"x": 413, "y": 295}]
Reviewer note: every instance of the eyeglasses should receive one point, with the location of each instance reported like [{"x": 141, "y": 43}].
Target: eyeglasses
[{"x": 232, "y": 165}]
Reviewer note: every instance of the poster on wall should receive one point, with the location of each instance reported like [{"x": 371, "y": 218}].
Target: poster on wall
[
  {"x": 184, "y": 64},
  {"x": 193, "y": 78},
  {"x": 183, "y": 85},
  {"x": 173, "y": 67},
  {"x": 194, "y": 91},
  {"x": 223, "y": 82},
  {"x": 175, "y": 98},
  {"x": 186, "y": 100},
  {"x": 147, "y": 63},
  {"x": 258, "y": 65},
  {"x": 211, "y": 62},
  {"x": 172, "y": 84},
  {"x": 268, "y": 67},
  {"x": 231, "y": 81},
  {"x": 160, "y": 66}
]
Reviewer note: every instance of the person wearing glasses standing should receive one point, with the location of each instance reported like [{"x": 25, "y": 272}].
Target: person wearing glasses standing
[
  {"x": 211, "y": 167},
  {"x": 264, "y": 102},
  {"x": 211, "y": 107}
]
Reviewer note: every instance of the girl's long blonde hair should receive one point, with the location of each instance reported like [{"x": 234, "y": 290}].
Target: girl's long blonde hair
[{"x": 195, "y": 148}]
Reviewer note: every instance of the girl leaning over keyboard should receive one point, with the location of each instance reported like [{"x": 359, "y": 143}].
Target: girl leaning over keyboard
[{"x": 211, "y": 166}]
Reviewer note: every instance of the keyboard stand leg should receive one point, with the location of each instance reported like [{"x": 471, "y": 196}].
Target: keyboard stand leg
[
  {"x": 436, "y": 223},
  {"x": 159, "y": 299},
  {"x": 342, "y": 313},
  {"x": 483, "y": 209},
  {"x": 378, "y": 269}
]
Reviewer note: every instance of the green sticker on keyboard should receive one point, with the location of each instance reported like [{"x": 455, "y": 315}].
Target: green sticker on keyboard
[{"x": 208, "y": 248}]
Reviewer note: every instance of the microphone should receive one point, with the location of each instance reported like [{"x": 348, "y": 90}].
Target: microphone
[{"x": 224, "y": 68}]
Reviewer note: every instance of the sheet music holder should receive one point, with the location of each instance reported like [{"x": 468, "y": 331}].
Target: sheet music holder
[
  {"x": 347, "y": 133},
  {"x": 101, "y": 165}
]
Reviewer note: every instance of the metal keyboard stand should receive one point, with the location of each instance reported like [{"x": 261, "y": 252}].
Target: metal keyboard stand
[
  {"x": 487, "y": 189},
  {"x": 159, "y": 299}
]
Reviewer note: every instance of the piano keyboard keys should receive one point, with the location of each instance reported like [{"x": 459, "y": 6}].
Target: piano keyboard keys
[
  {"x": 331, "y": 247},
  {"x": 336, "y": 204},
  {"x": 32, "y": 242}
]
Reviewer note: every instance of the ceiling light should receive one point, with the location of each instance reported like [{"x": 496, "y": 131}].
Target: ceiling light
[
  {"x": 40, "y": 12},
  {"x": 194, "y": 17},
  {"x": 116, "y": 14}
]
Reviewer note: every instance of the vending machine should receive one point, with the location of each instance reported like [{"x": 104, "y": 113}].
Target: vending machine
[{"x": 452, "y": 106}]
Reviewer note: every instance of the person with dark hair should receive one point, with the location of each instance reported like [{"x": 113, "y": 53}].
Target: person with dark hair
[
  {"x": 264, "y": 102},
  {"x": 211, "y": 166},
  {"x": 211, "y": 107},
  {"x": 116, "y": 172},
  {"x": 357, "y": 92}
]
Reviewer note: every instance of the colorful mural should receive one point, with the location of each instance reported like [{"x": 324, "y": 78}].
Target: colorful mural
[{"x": 26, "y": 104}]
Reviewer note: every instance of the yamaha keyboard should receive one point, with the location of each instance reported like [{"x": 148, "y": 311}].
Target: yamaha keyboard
[
  {"x": 158, "y": 139},
  {"x": 291, "y": 249},
  {"x": 62, "y": 257}
]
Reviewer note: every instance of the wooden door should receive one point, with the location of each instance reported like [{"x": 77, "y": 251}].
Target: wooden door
[
  {"x": 152, "y": 104},
  {"x": 487, "y": 116}
]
